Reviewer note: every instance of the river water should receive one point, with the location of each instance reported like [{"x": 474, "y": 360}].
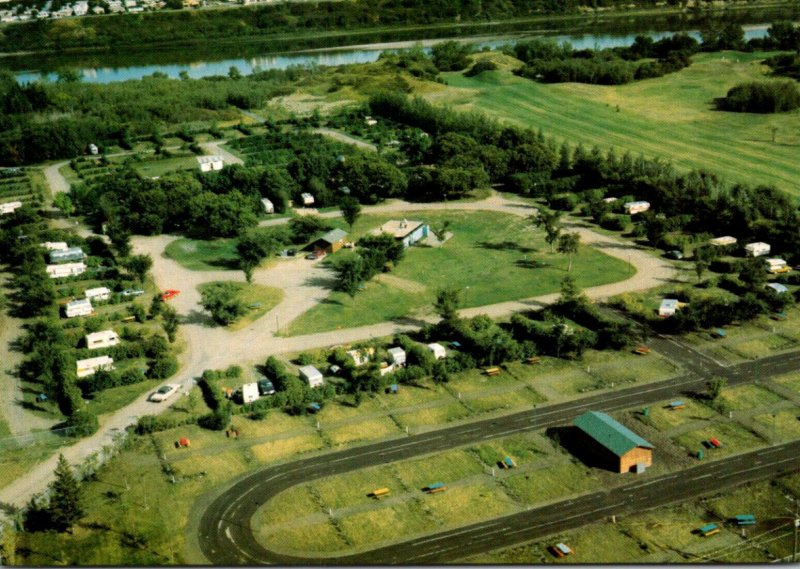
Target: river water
[{"x": 208, "y": 66}]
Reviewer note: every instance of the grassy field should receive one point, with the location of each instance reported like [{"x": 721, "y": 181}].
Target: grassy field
[
  {"x": 200, "y": 255},
  {"x": 258, "y": 298},
  {"x": 672, "y": 117},
  {"x": 492, "y": 257},
  {"x": 157, "y": 168}
]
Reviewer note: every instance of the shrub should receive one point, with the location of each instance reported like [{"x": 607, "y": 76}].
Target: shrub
[
  {"x": 216, "y": 420},
  {"x": 761, "y": 97},
  {"x": 83, "y": 423},
  {"x": 480, "y": 67},
  {"x": 162, "y": 367}
]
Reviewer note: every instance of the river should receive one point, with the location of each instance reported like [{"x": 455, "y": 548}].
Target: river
[{"x": 111, "y": 67}]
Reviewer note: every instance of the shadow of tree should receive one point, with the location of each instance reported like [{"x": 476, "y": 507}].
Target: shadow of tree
[
  {"x": 506, "y": 246},
  {"x": 530, "y": 264},
  {"x": 200, "y": 318}
]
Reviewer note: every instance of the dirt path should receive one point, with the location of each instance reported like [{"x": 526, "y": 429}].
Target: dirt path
[
  {"x": 55, "y": 180},
  {"x": 346, "y": 138},
  {"x": 215, "y": 147},
  {"x": 305, "y": 284}
]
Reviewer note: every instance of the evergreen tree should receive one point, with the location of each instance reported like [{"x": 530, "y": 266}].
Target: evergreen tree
[{"x": 65, "y": 499}]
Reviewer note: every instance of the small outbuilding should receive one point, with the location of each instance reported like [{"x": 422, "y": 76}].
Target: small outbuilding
[
  {"x": 9, "y": 207},
  {"x": 777, "y": 266},
  {"x": 81, "y": 307},
  {"x": 104, "y": 339},
  {"x": 307, "y": 198},
  {"x": 98, "y": 293},
  {"x": 67, "y": 255},
  {"x": 249, "y": 392},
  {"x": 360, "y": 357},
  {"x": 632, "y": 208},
  {"x": 65, "y": 270},
  {"x": 269, "y": 207},
  {"x": 331, "y": 242},
  {"x": 723, "y": 241},
  {"x": 613, "y": 444},
  {"x": 668, "y": 307},
  {"x": 757, "y": 249},
  {"x": 92, "y": 365},
  {"x": 438, "y": 350},
  {"x": 398, "y": 356},
  {"x": 210, "y": 163},
  {"x": 778, "y": 288},
  {"x": 55, "y": 245},
  {"x": 311, "y": 375},
  {"x": 409, "y": 232}
]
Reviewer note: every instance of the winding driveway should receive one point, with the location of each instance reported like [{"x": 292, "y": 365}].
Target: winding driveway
[{"x": 305, "y": 284}]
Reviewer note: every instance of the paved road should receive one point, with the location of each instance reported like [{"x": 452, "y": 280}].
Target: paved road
[{"x": 226, "y": 538}]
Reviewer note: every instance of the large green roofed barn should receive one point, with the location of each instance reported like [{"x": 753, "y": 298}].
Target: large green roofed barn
[{"x": 612, "y": 443}]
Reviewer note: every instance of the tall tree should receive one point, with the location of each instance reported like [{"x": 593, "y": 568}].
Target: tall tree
[
  {"x": 138, "y": 265},
  {"x": 65, "y": 498},
  {"x": 548, "y": 220},
  {"x": 350, "y": 273},
  {"x": 63, "y": 202},
  {"x": 351, "y": 210},
  {"x": 169, "y": 318},
  {"x": 252, "y": 248},
  {"x": 447, "y": 302},
  {"x": 220, "y": 299},
  {"x": 568, "y": 245}
]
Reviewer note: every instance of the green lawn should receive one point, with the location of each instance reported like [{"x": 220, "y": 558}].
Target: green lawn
[
  {"x": 199, "y": 255},
  {"x": 109, "y": 400},
  {"x": 671, "y": 117},
  {"x": 492, "y": 257},
  {"x": 153, "y": 168}
]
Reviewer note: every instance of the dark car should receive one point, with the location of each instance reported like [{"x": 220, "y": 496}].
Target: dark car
[{"x": 265, "y": 387}]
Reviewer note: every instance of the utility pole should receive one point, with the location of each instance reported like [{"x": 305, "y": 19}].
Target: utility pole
[{"x": 796, "y": 526}]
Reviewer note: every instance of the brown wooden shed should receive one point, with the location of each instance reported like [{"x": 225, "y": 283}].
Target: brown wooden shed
[{"x": 331, "y": 242}]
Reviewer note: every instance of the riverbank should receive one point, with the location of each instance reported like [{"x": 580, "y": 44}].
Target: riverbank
[{"x": 186, "y": 36}]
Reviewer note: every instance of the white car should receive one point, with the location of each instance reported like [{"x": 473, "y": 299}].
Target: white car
[{"x": 164, "y": 392}]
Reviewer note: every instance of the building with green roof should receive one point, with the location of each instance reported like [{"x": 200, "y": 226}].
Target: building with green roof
[
  {"x": 614, "y": 445},
  {"x": 331, "y": 242}
]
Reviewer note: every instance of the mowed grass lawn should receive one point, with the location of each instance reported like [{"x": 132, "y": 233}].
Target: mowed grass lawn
[
  {"x": 671, "y": 117},
  {"x": 492, "y": 257},
  {"x": 153, "y": 168},
  {"x": 200, "y": 255}
]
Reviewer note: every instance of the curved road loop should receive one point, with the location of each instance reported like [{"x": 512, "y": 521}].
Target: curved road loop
[{"x": 226, "y": 537}]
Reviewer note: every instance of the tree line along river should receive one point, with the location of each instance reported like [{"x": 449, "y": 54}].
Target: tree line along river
[{"x": 106, "y": 67}]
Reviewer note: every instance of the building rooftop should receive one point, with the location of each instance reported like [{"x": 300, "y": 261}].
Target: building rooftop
[
  {"x": 614, "y": 436},
  {"x": 333, "y": 236},
  {"x": 399, "y": 228}
]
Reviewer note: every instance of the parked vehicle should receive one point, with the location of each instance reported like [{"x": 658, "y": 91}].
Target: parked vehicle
[
  {"x": 170, "y": 293},
  {"x": 561, "y": 550},
  {"x": 132, "y": 292},
  {"x": 164, "y": 392}
]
